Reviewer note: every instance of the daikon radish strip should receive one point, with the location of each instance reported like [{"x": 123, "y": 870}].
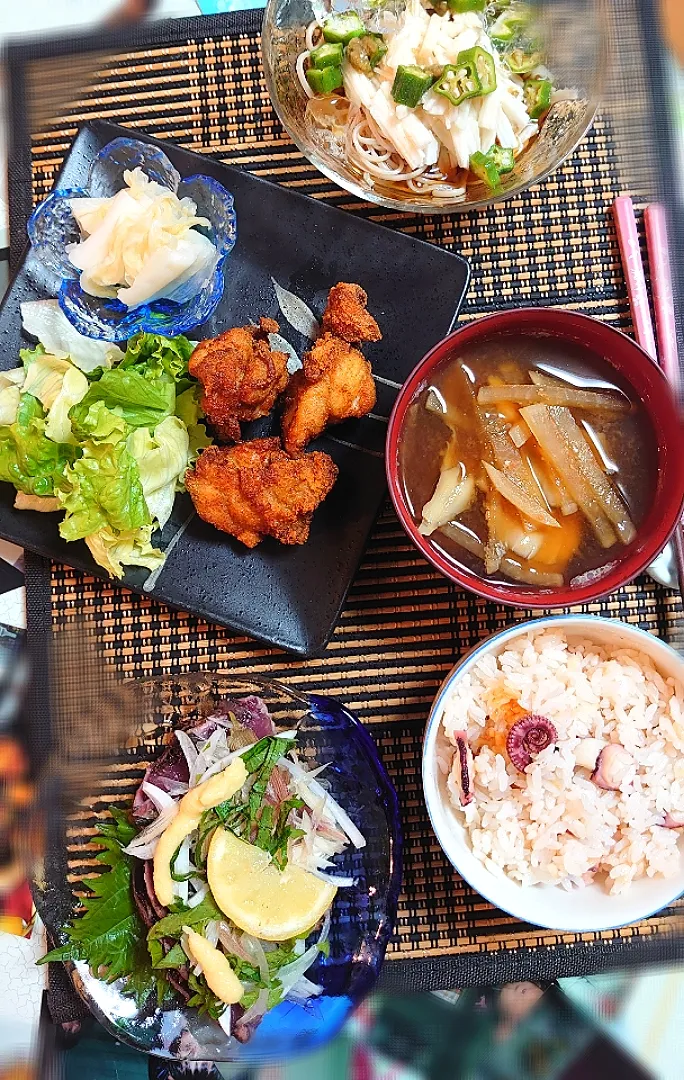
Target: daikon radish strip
[
  {"x": 554, "y": 491},
  {"x": 542, "y": 475},
  {"x": 552, "y": 395},
  {"x": 495, "y": 548},
  {"x": 506, "y": 453},
  {"x": 611, "y": 503},
  {"x": 508, "y": 528},
  {"x": 595, "y": 440},
  {"x": 513, "y": 493},
  {"x": 464, "y": 538},
  {"x": 557, "y": 452},
  {"x": 520, "y": 433},
  {"x": 529, "y": 575},
  {"x": 539, "y": 378}
]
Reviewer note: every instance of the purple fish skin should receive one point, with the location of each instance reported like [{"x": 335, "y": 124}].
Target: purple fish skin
[{"x": 250, "y": 711}]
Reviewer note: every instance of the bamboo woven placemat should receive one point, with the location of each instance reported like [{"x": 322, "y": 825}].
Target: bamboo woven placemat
[{"x": 198, "y": 82}]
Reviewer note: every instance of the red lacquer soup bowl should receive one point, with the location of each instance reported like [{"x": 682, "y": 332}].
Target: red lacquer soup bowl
[{"x": 633, "y": 367}]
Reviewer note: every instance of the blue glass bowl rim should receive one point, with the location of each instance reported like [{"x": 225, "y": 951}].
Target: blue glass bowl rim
[{"x": 388, "y": 799}]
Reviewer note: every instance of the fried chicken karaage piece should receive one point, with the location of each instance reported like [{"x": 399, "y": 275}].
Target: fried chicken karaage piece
[
  {"x": 335, "y": 384},
  {"x": 241, "y": 376},
  {"x": 346, "y": 315},
  {"x": 255, "y": 489}
]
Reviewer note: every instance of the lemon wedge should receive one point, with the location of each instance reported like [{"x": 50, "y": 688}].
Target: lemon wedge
[{"x": 267, "y": 903}]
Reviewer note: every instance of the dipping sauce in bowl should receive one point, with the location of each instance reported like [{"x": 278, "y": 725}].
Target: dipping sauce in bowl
[{"x": 532, "y": 457}]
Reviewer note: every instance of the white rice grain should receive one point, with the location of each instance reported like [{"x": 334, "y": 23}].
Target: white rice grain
[{"x": 551, "y": 824}]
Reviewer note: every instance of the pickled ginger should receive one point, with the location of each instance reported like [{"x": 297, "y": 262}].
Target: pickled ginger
[{"x": 142, "y": 244}]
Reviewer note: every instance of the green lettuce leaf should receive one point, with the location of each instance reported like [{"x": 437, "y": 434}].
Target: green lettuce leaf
[
  {"x": 102, "y": 489},
  {"x": 159, "y": 355},
  {"x": 44, "y": 378},
  {"x": 27, "y": 356},
  {"x": 140, "y": 401},
  {"x": 99, "y": 423},
  {"x": 10, "y": 396},
  {"x": 113, "y": 550},
  {"x": 73, "y": 389},
  {"x": 189, "y": 410},
  {"x": 29, "y": 460},
  {"x": 162, "y": 460}
]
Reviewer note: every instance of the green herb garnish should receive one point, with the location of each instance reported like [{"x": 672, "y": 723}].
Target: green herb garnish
[
  {"x": 172, "y": 925},
  {"x": 110, "y": 935},
  {"x": 253, "y": 821},
  {"x": 203, "y": 999}
]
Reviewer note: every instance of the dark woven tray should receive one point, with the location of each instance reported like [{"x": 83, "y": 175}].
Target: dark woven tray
[{"x": 403, "y": 626}]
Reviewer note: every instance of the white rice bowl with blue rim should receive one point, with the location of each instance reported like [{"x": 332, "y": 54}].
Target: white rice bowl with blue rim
[{"x": 576, "y": 839}]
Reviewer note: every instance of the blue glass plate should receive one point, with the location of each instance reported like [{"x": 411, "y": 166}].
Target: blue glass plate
[{"x": 362, "y": 915}]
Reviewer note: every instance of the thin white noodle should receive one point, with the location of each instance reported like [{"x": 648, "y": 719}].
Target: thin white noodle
[
  {"x": 434, "y": 184},
  {"x": 299, "y": 66},
  {"x": 309, "y": 37},
  {"x": 371, "y": 152}
]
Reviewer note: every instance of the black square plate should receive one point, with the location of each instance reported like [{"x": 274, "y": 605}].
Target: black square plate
[{"x": 287, "y": 596}]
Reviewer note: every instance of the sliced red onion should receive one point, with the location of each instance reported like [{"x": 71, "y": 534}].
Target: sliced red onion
[
  {"x": 144, "y": 845},
  {"x": 211, "y": 752},
  {"x": 211, "y": 932},
  {"x": 232, "y": 944},
  {"x": 329, "y": 832},
  {"x": 256, "y": 1011},
  {"x": 223, "y": 763},
  {"x": 161, "y": 799},
  {"x": 255, "y": 951},
  {"x": 612, "y": 765},
  {"x": 306, "y": 783},
  {"x": 188, "y": 747},
  {"x": 671, "y": 821},
  {"x": 175, "y": 787},
  {"x": 462, "y": 768},
  {"x": 290, "y": 974},
  {"x": 527, "y": 738}
]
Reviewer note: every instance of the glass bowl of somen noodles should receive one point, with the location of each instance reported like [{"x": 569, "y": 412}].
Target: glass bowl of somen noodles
[
  {"x": 534, "y": 457},
  {"x": 432, "y": 106}
]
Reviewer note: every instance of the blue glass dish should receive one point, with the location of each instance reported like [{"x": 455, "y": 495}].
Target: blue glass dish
[
  {"x": 362, "y": 916},
  {"x": 52, "y": 227}
]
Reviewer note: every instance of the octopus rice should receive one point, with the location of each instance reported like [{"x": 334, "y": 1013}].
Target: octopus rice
[{"x": 565, "y": 761}]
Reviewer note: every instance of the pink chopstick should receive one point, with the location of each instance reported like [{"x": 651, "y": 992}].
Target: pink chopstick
[
  {"x": 628, "y": 238},
  {"x": 658, "y": 247},
  {"x": 661, "y": 280}
]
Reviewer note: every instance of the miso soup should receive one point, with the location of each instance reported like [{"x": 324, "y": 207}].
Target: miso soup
[{"x": 527, "y": 460}]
